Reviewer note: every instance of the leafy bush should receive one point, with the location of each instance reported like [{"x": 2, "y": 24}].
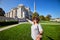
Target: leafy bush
[{"x": 8, "y": 23}]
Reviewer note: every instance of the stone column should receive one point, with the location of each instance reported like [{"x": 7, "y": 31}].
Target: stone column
[
  {"x": 23, "y": 14},
  {"x": 12, "y": 14},
  {"x": 9, "y": 14},
  {"x": 15, "y": 11}
]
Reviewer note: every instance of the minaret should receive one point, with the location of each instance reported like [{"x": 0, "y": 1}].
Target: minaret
[{"x": 34, "y": 7}]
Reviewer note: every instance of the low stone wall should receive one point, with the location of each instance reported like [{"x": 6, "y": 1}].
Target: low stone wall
[
  {"x": 2, "y": 18},
  {"x": 22, "y": 20}
]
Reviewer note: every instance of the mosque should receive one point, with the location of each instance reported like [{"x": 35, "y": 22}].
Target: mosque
[{"x": 20, "y": 12}]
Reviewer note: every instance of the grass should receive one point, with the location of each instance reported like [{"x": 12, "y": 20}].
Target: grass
[
  {"x": 51, "y": 32},
  {"x": 20, "y": 32},
  {"x": 23, "y": 32}
]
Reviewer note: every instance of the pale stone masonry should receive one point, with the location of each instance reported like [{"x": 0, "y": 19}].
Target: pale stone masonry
[{"x": 20, "y": 12}]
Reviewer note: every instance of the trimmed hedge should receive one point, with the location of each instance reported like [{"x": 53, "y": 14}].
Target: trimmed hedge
[{"x": 8, "y": 23}]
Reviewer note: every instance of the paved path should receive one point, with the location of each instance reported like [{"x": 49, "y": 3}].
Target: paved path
[
  {"x": 7, "y": 27},
  {"x": 50, "y": 23}
]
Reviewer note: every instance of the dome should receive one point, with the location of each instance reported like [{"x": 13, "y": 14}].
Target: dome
[{"x": 20, "y": 5}]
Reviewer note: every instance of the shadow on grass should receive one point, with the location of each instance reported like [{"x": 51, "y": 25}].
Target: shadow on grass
[{"x": 50, "y": 38}]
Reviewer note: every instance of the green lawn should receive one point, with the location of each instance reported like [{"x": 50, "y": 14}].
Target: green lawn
[{"x": 23, "y": 32}]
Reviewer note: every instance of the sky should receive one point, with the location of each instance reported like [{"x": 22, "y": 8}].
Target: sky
[{"x": 43, "y": 7}]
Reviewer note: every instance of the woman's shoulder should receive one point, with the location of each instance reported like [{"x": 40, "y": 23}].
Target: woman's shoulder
[{"x": 39, "y": 24}]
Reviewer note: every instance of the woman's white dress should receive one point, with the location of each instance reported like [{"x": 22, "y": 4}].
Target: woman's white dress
[{"x": 35, "y": 29}]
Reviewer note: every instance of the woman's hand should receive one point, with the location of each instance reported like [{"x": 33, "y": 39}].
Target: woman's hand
[{"x": 38, "y": 37}]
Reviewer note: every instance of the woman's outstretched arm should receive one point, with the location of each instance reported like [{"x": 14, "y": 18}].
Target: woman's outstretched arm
[{"x": 29, "y": 21}]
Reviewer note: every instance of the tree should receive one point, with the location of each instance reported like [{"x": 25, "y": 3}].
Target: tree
[
  {"x": 48, "y": 17},
  {"x": 2, "y": 12},
  {"x": 35, "y": 14},
  {"x": 42, "y": 17}
]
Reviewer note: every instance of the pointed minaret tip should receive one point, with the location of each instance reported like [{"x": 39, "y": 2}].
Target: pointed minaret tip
[{"x": 34, "y": 7}]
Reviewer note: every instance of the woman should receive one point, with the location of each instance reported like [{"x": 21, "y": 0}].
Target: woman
[{"x": 36, "y": 29}]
